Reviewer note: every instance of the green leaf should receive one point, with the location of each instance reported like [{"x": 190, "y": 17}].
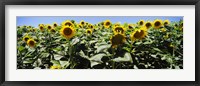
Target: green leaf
[
  {"x": 30, "y": 61},
  {"x": 64, "y": 64},
  {"x": 97, "y": 57},
  {"x": 102, "y": 48},
  {"x": 57, "y": 57},
  {"x": 156, "y": 49},
  {"x": 55, "y": 62},
  {"x": 127, "y": 58},
  {"x": 20, "y": 48}
]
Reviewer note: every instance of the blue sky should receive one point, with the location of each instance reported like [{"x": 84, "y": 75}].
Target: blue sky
[{"x": 35, "y": 20}]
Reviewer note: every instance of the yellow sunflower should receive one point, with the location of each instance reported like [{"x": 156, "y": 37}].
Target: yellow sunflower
[
  {"x": 107, "y": 24},
  {"x": 55, "y": 24},
  {"x": 89, "y": 31},
  {"x": 116, "y": 24},
  {"x": 157, "y": 23},
  {"x": 55, "y": 67},
  {"x": 117, "y": 39},
  {"x": 68, "y": 23},
  {"x": 163, "y": 30},
  {"x": 67, "y": 31},
  {"x": 166, "y": 22},
  {"x": 148, "y": 25},
  {"x": 119, "y": 29},
  {"x": 53, "y": 30},
  {"x": 48, "y": 26},
  {"x": 138, "y": 34},
  {"x": 26, "y": 38},
  {"x": 130, "y": 26},
  {"x": 41, "y": 27},
  {"x": 141, "y": 23},
  {"x": 80, "y": 25},
  {"x": 31, "y": 42},
  {"x": 82, "y": 22},
  {"x": 90, "y": 26}
]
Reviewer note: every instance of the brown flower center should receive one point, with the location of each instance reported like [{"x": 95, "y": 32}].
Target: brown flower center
[
  {"x": 157, "y": 23},
  {"x": 26, "y": 39},
  {"x": 138, "y": 34},
  {"x": 49, "y": 27},
  {"x": 148, "y": 25},
  {"x": 117, "y": 39},
  {"x": 141, "y": 22},
  {"x": 119, "y": 29},
  {"x": 31, "y": 43},
  {"x": 68, "y": 23},
  {"x": 107, "y": 23},
  {"x": 67, "y": 31}
]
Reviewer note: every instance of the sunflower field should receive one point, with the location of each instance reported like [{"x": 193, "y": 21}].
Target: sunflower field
[{"x": 154, "y": 44}]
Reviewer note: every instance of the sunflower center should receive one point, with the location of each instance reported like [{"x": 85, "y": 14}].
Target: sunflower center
[
  {"x": 119, "y": 29},
  {"x": 26, "y": 39},
  {"x": 89, "y": 32},
  {"x": 55, "y": 25},
  {"x": 31, "y": 43},
  {"x": 157, "y": 23},
  {"x": 67, "y": 31},
  {"x": 49, "y": 27},
  {"x": 107, "y": 23},
  {"x": 130, "y": 27},
  {"x": 117, "y": 39},
  {"x": 69, "y": 24},
  {"x": 141, "y": 23},
  {"x": 82, "y": 22},
  {"x": 165, "y": 23},
  {"x": 139, "y": 34},
  {"x": 41, "y": 27},
  {"x": 148, "y": 25}
]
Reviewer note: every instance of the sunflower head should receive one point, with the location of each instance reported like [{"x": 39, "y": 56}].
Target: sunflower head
[
  {"x": 89, "y": 31},
  {"x": 138, "y": 34},
  {"x": 26, "y": 38},
  {"x": 55, "y": 67},
  {"x": 119, "y": 29},
  {"x": 82, "y": 22},
  {"x": 55, "y": 24},
  {"x": 48, "y": 26},
  {"x": 68, "y": 23},
  {"x": 53, "y": 30},
  {"x": 41, "y": 27},
  {"x": 148, "y": 25},
  {"x": 141, "y": 23},
  {"x": 91, "y": 26},
  {"x": 130, "y": 26},
  {"x": 157, "y": 23},
  {"x": 117, "y": 39},
  {"x": 166, "y": 22},
  {"x": 107, "y": 23},
  {"x": 67, "y": 31},
  {"x": 31, "y": 42},
  {"x": 80, "y": 25}
]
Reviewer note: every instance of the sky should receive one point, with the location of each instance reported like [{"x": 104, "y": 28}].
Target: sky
[{"x": 35, "y": 20}]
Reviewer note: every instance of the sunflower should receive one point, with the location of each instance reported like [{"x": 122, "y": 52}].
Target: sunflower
[
  {"x": 31, "y": 42},
  {"x": 55, "y": 24},
  {"x": 26, "y": 38},
  {"x": 119, "y": 29},
  {"x": 89, "y": 31},
  {"x": 67, "y": 31},
  {"x": 166, "y": 22},
  {"x": 68, "y": 23},
  {"x": 157, "y": 23},
  {"x": 53, "y": 30},
  {"x": 138, "y": 34},
  {"x": 48, "y": 26},
  {"x": 141, "y": 23},
  {"x": 55, "y": 67},
  {"x": 107, "y": 23},
  {"x": 80, "y": 25},
  {"x": 41, "y": 27},
  {"x": 148, "y": 25},
  {"x": 117, "y": 39},
  {"x": 130, "y": 26},
  {"x": 82, "y": 22},
  {"x": 91, "y": 26}
]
